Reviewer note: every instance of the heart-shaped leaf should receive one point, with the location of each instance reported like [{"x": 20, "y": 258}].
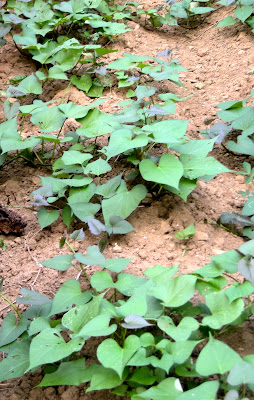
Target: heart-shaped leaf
[
  {"x": 111, "y": 355},
  {"x": 169, "y": 170},
  {"x": 122, "y": 140}
]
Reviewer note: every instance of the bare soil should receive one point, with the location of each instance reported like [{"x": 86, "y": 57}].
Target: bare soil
[{"x": 217, "y": 62}]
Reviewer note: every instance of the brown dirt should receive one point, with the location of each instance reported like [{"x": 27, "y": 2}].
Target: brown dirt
[{"x": 217, "y": 62}]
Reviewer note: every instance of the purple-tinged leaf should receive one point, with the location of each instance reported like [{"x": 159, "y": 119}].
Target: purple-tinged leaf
[
  {"x": 246, "y": 268},
  {"x": 39, "y": 201},
  {"x": 96, "y": 227},
  {"x": 132, "y": 79},
  {"x": 153, "y": 110},
  {"x": 133, "y": 321},
  {"x": 78, "y": 235},
  {"x": 166, "y": 53},
  {"x": 100, "y": 70},
  {"x": 219, "y": 129}
]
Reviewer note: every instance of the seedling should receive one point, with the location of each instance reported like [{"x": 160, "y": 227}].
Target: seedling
[
  {"x": 186, "y": 233},
  {"x": 3, "y": 246}
]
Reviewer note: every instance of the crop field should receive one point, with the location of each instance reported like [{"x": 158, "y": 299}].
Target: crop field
[{"x": 126, "y": 200}]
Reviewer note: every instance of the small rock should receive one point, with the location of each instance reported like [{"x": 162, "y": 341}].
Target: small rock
[
  {"x": 117, "y": 249},
  {"x": 199, "y": 85},
  {"x": 241, "y": 52},
  {"x": 202, "y": 52}
]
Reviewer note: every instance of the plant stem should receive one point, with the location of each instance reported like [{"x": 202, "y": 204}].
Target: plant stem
[{"x": 11, "y": 304}]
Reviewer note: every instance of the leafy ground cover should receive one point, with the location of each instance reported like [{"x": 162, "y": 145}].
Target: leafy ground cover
[{"x": 156, "y": 220}]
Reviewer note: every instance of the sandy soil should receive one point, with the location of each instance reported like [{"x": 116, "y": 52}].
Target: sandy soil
[{"x": 217, "y": 62}]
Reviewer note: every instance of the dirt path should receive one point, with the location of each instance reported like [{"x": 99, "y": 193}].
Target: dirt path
[{"x": 217, "y": 62}]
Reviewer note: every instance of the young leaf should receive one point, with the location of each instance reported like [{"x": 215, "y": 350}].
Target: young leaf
[
  {"x": 121, "y": 140},
  {"x": 221, "y": 358},
  {"x": 124, "y": 201},
  {"x": 169, "y": 170},
  {"x": 47, "y": 218},
  {"x": 241, "y": 374},
  {"x": 48, "y": 120},
  {"x": 78, "y": 235},
  {"x": 133, "y": 321},
  {"x": 49, "y": 346},
  {"x": 168, "y": 389},
  {"x": 93, "y": 257},
  {"x": 96, "y": 227},
  {"x": 61, "y": 263},
  {"x": 33, "y": 298},
  {"x": 119, "y": 226},
  {"x": 11, "y": 330},
  {"x": 17, "y": 361},
  {"x": 68, "y": 373},
  {"x": 111, "y": 355},
  {"x": 223, "y": 312},
  {"x": 69, "y": 295},
  {"x": 205, "y": 391}
]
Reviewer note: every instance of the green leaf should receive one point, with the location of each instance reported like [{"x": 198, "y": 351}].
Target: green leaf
[
  {"x": 186, "y": 186},
  {"x": 11, "y": 329},
  {"x": 32, "y": 297},
  {"x": 98, "y": 326},
  {"x": 175, "y": 292},
  {"x": 169, "y": 170},
  {"x": 17, "y": 361},
  {"x": 116, "y": 264},
  {"x": 61, "y": 263},
  {"x": 205, "y": 391},
  {"x": 180, "y": 351},
  {"x": 98, "y": 167},
  {"x": 168, "y": 131},
  {"x": 68, "y": 373},
  {"x": 168, "y": 389},
  {"x": 181, "y": 332},
  {"x": 71, "y": 157},
  {"x": 93, "y": 257},
  {"x": 195, "y": 167},
  {"x": 223, "y": 312},
  {"x": 46, "y": 218},
  {"x": 229, "y": 20},
  {"x": 186, "y": 233},
  {"x": 38, "y": 325},
  {"x": 78, "y": 317},
  {"x": 69, "y": 295},
  {"x": 102, "y": 280},
  {"x": 244, "y": 145},
  {"x": 143, "y": 376},
  {"x": 56, "y": 73},
  {"x": 124, "y": 201},
  {"x": 95, "y": 123},
  {"x": 49, "y": 346},
  {"x": 48, "y": 120},
  {"x": 31, "y": 84},
  {"x": 121, "y": 141},
  {"x": 105, "y": 378},
  {"x": 11, "y": 109},
  {"x": 108, "y": 189},
  {"x": 243, "y": 13},
  {"x": 239, "y": 290},
  {"x": 84, "y": 83},
  {"x": 221, "y": 358},
  {"x": 84, "y": 211},
  {"x": 119, "y": 226},
  {"x": 111, "y": 355}
]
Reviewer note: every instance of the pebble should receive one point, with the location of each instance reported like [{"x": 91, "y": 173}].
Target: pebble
[
  {"x": 117, "y": 249},
  {"x": 202, "y": 52},
  {"x": 199, "y": 85}
]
